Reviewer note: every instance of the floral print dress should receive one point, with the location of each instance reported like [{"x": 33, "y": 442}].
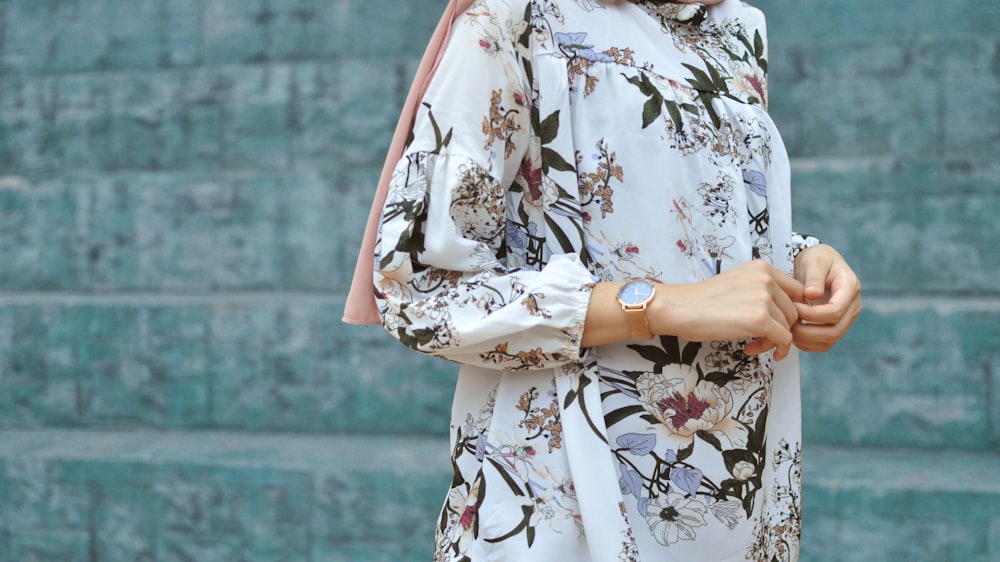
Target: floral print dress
[{"x": 561, "y": 143}]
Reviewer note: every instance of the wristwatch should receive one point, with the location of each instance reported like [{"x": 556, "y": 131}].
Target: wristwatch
[{"x": 634, "y": 296}]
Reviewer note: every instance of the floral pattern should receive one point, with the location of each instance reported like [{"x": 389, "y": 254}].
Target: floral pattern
[{"x": 561, "y": 143}]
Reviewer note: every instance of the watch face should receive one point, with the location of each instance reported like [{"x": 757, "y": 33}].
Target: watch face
[{"x": 636, "y": 292}]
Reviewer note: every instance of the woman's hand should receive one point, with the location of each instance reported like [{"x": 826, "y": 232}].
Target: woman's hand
[
  {"x": 832, "y": 298},
  {"x": 754, "y": 300}
]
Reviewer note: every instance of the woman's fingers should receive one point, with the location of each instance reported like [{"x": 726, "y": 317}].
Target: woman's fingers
[
  {"x": 785, "y": 305},
  {"x": 845, "y": 294},
  {"x": 792, "y": 287},
  {"x": 814, "y": 336},
  {"x": 753, "y": 301}
]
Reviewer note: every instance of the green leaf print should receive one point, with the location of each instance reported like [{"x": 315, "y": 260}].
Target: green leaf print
[
  {"x": 553, "y": 160},
  {"x": 439, "y": 142},
  {"x": 710, "y": 439},
  {"x": 685, "y": 453},
  {"x": 690, "y": 353},
  {"x": 416, "y": 338},
  {"x": 525, "y": 39},
  {"x": 611, "y": 418},
  {"x": 651, "y": 110},
  {"x": 733, "y": 457},
  {"x": 720, "y": 379},
  {"x": 549, "y": 128}
]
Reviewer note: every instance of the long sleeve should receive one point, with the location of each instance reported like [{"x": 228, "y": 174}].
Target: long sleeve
[
  {"x": 757, "y": 34},
  {"x": 448, "y": 279}
]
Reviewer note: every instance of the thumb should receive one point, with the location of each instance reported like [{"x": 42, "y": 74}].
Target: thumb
[{"x": 815, "y": 274}]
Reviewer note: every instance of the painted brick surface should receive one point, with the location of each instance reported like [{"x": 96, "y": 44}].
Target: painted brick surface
[
  {"x": 227, "y": 496},
  {"x": 182, "y": 188},
  {"x": 188, "y": 231},
  {"x": 217, "y": 497},
  {"x": 913, "y": 227},
  {"x": 260, "y": 365},
  {"x": 251, "y": 363},
  {"x": 879, "y": 504},
  {"x": 893, "y": 382}
]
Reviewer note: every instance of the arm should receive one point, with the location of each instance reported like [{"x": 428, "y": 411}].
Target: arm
[
  {"x": 445, "y": 283},
  {"x": 752, "y": 301}
]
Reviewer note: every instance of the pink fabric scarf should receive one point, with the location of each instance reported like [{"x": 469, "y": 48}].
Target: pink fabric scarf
[{"x": 361, "y": 307}]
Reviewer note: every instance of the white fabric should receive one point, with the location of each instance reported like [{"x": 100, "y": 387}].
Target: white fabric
[{"x": 597, "y": 141}]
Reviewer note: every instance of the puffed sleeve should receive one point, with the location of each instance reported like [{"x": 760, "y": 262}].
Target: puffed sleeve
[
  {"x": 444, "y": 283},
  {"x": 756, "y": 24}
]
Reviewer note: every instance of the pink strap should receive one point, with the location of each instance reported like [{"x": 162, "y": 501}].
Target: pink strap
[{"x": 361, "y": 307}]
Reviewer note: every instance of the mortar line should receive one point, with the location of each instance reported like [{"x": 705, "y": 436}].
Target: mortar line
[
  {"x": 879, "y": 303},
  {"x": 167, "y": 299}
]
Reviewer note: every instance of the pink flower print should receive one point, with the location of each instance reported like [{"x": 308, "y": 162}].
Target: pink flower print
[
  {"x": 685, "y": 405},
  {"x": 533, "y": 176}
]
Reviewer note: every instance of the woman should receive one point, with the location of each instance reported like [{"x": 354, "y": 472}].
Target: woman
[{"x": 593, "y": 217}]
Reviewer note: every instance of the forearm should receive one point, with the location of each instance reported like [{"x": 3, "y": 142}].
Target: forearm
[
  {"x": 754, "y": 301},
  {"x": 606, "y": 322},
  {"x": 605, "y": 318}
]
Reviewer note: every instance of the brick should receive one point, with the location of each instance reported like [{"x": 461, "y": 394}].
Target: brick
[
  {"x": 219, "y": 496},
  {"x": 100, "y": 468},
  {"x": 183, "y": 233},
  {"x": 408, "y": 496},
  {"x": 233, "y": 31},
  {"x": 133, "y": 35},
  {"x": 910, "y": 377},
  {"x": 418, "y": 388},
  {"x": 125, "y": 529},
  {"x": 180, "y": 33},
  {"x": 366, "y": 114},
  {"x": 213, "y": 495},
  {"x": 271, "y": 363},
  {"x": 991, "y": 368},
  {"x": 411, "y": 25},
  {"x": 266, "y": 509},
  {"x": 816, "y": 21},
  {"x": 36, "y": 235},
  {"x": 298, "y": 29},
  {"x": 878, "y": 93},
  {"x": 993, "y": 547},
  {"x": 319, "y": 209},
  {"x": 257, "y": 365},
  {"x": 972, "y": 109},
  {"x": 259, "y": 137},
  {"x": 25, "y": 38},
  {"x": 50, "y": 547},
  {"x": 899, "y": 505},
  {"x": 900, "y": 226},
  {"x": 859, "y": 117},
  {"x": 99, "y": 366},
  {"x": 38, "y": 375},
  {"x": 356, "y": 551},
  {"x": 937, "y": 57},
  {"x": 40, "y": 503},
  {"x": 170, "y": 232},
  {"x": 183, "y": 548},
  {"x": 873, "y": 539}
]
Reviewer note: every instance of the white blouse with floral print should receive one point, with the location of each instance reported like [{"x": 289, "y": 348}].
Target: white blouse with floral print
[{"x": 564, "y": 142}]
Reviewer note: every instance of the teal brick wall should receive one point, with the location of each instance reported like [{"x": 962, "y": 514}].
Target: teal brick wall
[{"x": 182, "y": 188}]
